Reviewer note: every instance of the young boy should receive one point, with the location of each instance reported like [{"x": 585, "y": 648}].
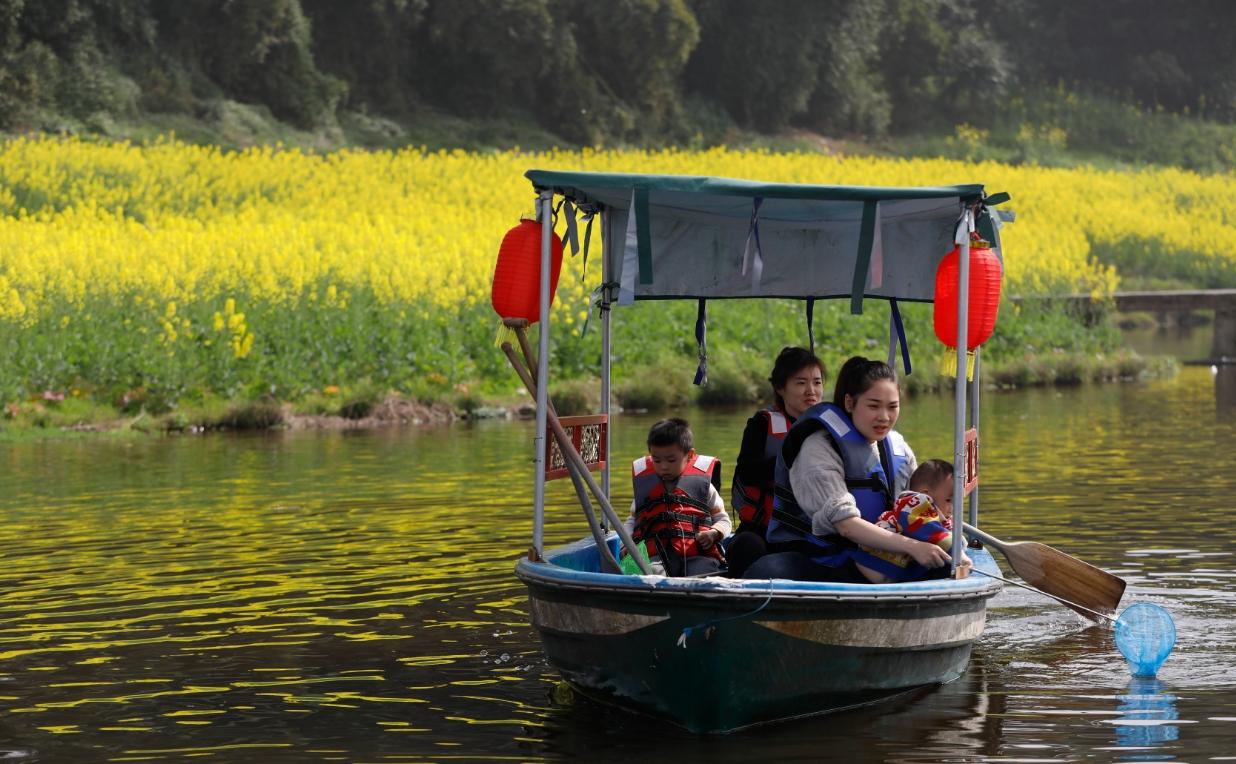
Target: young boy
[
  {"x": 924, "y": 512},
  {"x": 677, "y": 511}
]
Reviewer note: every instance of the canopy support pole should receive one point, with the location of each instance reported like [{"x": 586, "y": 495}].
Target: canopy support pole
[
  {"x": 606, "y": 338},
  {"x": 959, "y": 405},
  {"x": 545, "y": 212},
  {"x": 974, "y": 422}
]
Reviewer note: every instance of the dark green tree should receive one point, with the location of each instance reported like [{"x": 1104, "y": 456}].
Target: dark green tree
[
  {"x": 369, "y": 45},
  {"x": 760, "y": 61},
  {"x": 255, "y": 50},
  {"x": 636, "y": 51},
  {"x": 1170, "y": 55},
  {"x": 850, "y": 96},
  {"x": 940, "y": 61}
]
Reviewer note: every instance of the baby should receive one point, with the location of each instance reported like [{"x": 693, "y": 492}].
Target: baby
[{"x": 925, "y": 513}]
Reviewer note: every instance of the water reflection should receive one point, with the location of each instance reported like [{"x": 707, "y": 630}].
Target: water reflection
[
  {"x": 1225, "y": 390},
  {"x": 301, "y": 597},
  {"x": 1147, "y": 721}
]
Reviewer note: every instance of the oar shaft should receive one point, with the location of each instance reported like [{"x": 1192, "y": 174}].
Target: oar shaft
[
  {"x": 985, "y": 537},
  {"x": 1045, "y": 594}
]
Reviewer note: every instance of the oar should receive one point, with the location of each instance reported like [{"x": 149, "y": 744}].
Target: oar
[
  {"x": 1077, "y": 584},
  {"x": 526, "y": 375},
  {"x": 573, "y": 468}
]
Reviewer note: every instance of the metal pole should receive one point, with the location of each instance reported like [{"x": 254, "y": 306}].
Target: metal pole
[
  {"x": 959, "y": 406},
  {"x": 606, "y": 336},
  {"x": 545, "y": 212},
  {"x": 974, "y": 422}
]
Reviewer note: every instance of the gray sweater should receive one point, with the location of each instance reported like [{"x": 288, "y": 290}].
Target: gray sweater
[{"x": 818, "y": 478}]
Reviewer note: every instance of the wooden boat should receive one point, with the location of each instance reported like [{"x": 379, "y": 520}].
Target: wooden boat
[{"x": 715, "y": 654}]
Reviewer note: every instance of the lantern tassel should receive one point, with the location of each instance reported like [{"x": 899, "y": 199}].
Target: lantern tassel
[
  {"x": 505, "y": 334},
  {"x": 948, "y": 364}
]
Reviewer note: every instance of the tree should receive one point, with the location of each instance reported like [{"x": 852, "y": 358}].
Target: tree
[
  {"x": 254, "y": 50},
  {"x": 760, "y": 61}
]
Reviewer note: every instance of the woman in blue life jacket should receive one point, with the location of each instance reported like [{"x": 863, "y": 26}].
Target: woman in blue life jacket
[
  {"x": 797, "y": 381},
  {"x": 841, "y": 466}
]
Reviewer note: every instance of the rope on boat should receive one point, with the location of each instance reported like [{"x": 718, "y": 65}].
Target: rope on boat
[{"x": 708, "y": 627}]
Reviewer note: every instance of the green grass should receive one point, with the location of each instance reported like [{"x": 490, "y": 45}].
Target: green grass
[{"x": 1062, "y": 129}]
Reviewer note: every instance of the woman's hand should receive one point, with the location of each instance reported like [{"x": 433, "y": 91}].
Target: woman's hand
[
  {"x": 929, "y": 555},
  {"x": 707, "y": 538}
]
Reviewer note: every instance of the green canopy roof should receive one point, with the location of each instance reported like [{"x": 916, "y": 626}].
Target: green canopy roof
[{"x": 678, "y": 236}]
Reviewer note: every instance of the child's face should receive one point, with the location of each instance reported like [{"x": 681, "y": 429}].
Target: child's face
[
  {"x": 942, "y": 496},
  {"x": 669, "y": 461},
  {"x": 875, "y": 412}
]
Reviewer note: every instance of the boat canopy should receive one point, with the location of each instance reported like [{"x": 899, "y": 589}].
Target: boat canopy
[{"x": 677, "y": 236}]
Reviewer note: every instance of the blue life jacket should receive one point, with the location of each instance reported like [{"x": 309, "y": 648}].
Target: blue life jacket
[{"x": 866, "y": 477}]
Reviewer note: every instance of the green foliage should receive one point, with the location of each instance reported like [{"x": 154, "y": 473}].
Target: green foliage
[
  {"x": 849, "y": 96},
  {"x": 249, "y": 415},
  {"x": 1155, "y": 54},
  {"x": 367, "y": 44},
  {"x": 758, "y": 60},
  {"x": 653, "y": 72},
  {"x": 657, "y": 388},
  {"x": 637, "y": 50},
  {"x": 940, "y": 63},
  {"x": 730, "y": 382},
  {"x": 257, "y": 50}
]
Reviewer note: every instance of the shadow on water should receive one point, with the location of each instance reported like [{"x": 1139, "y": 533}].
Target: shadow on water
[
  {"x": 930, "y": 724},
  {"x": 316, "y": 597}
]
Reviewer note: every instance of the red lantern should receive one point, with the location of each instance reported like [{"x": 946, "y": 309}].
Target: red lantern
[
  {"x": 517, "y": 276},
  {"x": 985, "y": 275}
]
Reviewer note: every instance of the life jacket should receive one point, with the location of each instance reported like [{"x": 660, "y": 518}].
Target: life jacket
[
  {"x": 669, "y": 519},
  {"x": 866, "y": 477},
  {"x": 754, "y": 503}
]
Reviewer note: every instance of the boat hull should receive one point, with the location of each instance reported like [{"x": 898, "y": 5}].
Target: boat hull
[{"x": 714, "y": 655}]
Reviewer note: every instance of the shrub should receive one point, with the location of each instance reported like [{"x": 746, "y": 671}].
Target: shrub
[
  {"x": 255, "y": 415},
  {"x": 655, "y": 389},
  {"x": 575, "y": 397},
  {"x": 1071, "y": 370},
  {"x": 728, "y": 384}
]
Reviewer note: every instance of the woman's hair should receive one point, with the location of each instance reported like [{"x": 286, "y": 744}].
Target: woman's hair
[
  {"x": 789, "y": 361},
  {"x": 857, "y": 376}
]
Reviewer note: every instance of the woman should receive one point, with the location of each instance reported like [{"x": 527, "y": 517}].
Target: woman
[
  {"x": 841, "y": 466},
  {"x": 797, "y": 381}
]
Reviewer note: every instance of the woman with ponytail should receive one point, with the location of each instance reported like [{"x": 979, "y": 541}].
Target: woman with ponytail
[{"x": 841, "y": 466}]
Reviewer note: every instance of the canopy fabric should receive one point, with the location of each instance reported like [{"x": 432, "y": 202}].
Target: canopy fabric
[{"x": 671, "y": 236}]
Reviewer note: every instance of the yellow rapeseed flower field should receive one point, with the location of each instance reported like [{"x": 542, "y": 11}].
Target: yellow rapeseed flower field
[{"x": 209, "y": 257}]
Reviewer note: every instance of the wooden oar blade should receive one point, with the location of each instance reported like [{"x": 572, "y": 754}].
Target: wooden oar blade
[{"x": 1066, "y": 577}]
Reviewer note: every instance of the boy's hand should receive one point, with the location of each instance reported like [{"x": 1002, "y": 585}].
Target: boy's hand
[
  {"x": 707, "y": 538},
  {"x": 964, "y": 567}
]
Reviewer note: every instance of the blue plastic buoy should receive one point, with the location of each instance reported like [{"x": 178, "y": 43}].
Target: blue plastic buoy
[{"x": 1145, "y": 636}]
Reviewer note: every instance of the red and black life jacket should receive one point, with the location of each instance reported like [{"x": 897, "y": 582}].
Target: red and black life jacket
[
  {"x": 669, "y": 517},
  {"x": 754, "y": 503}
]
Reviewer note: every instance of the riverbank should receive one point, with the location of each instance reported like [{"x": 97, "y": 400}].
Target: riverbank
[{"x": 53, "y": 416}]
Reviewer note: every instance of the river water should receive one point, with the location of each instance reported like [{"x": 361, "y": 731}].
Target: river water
[{"x": 350, "y": 596}]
